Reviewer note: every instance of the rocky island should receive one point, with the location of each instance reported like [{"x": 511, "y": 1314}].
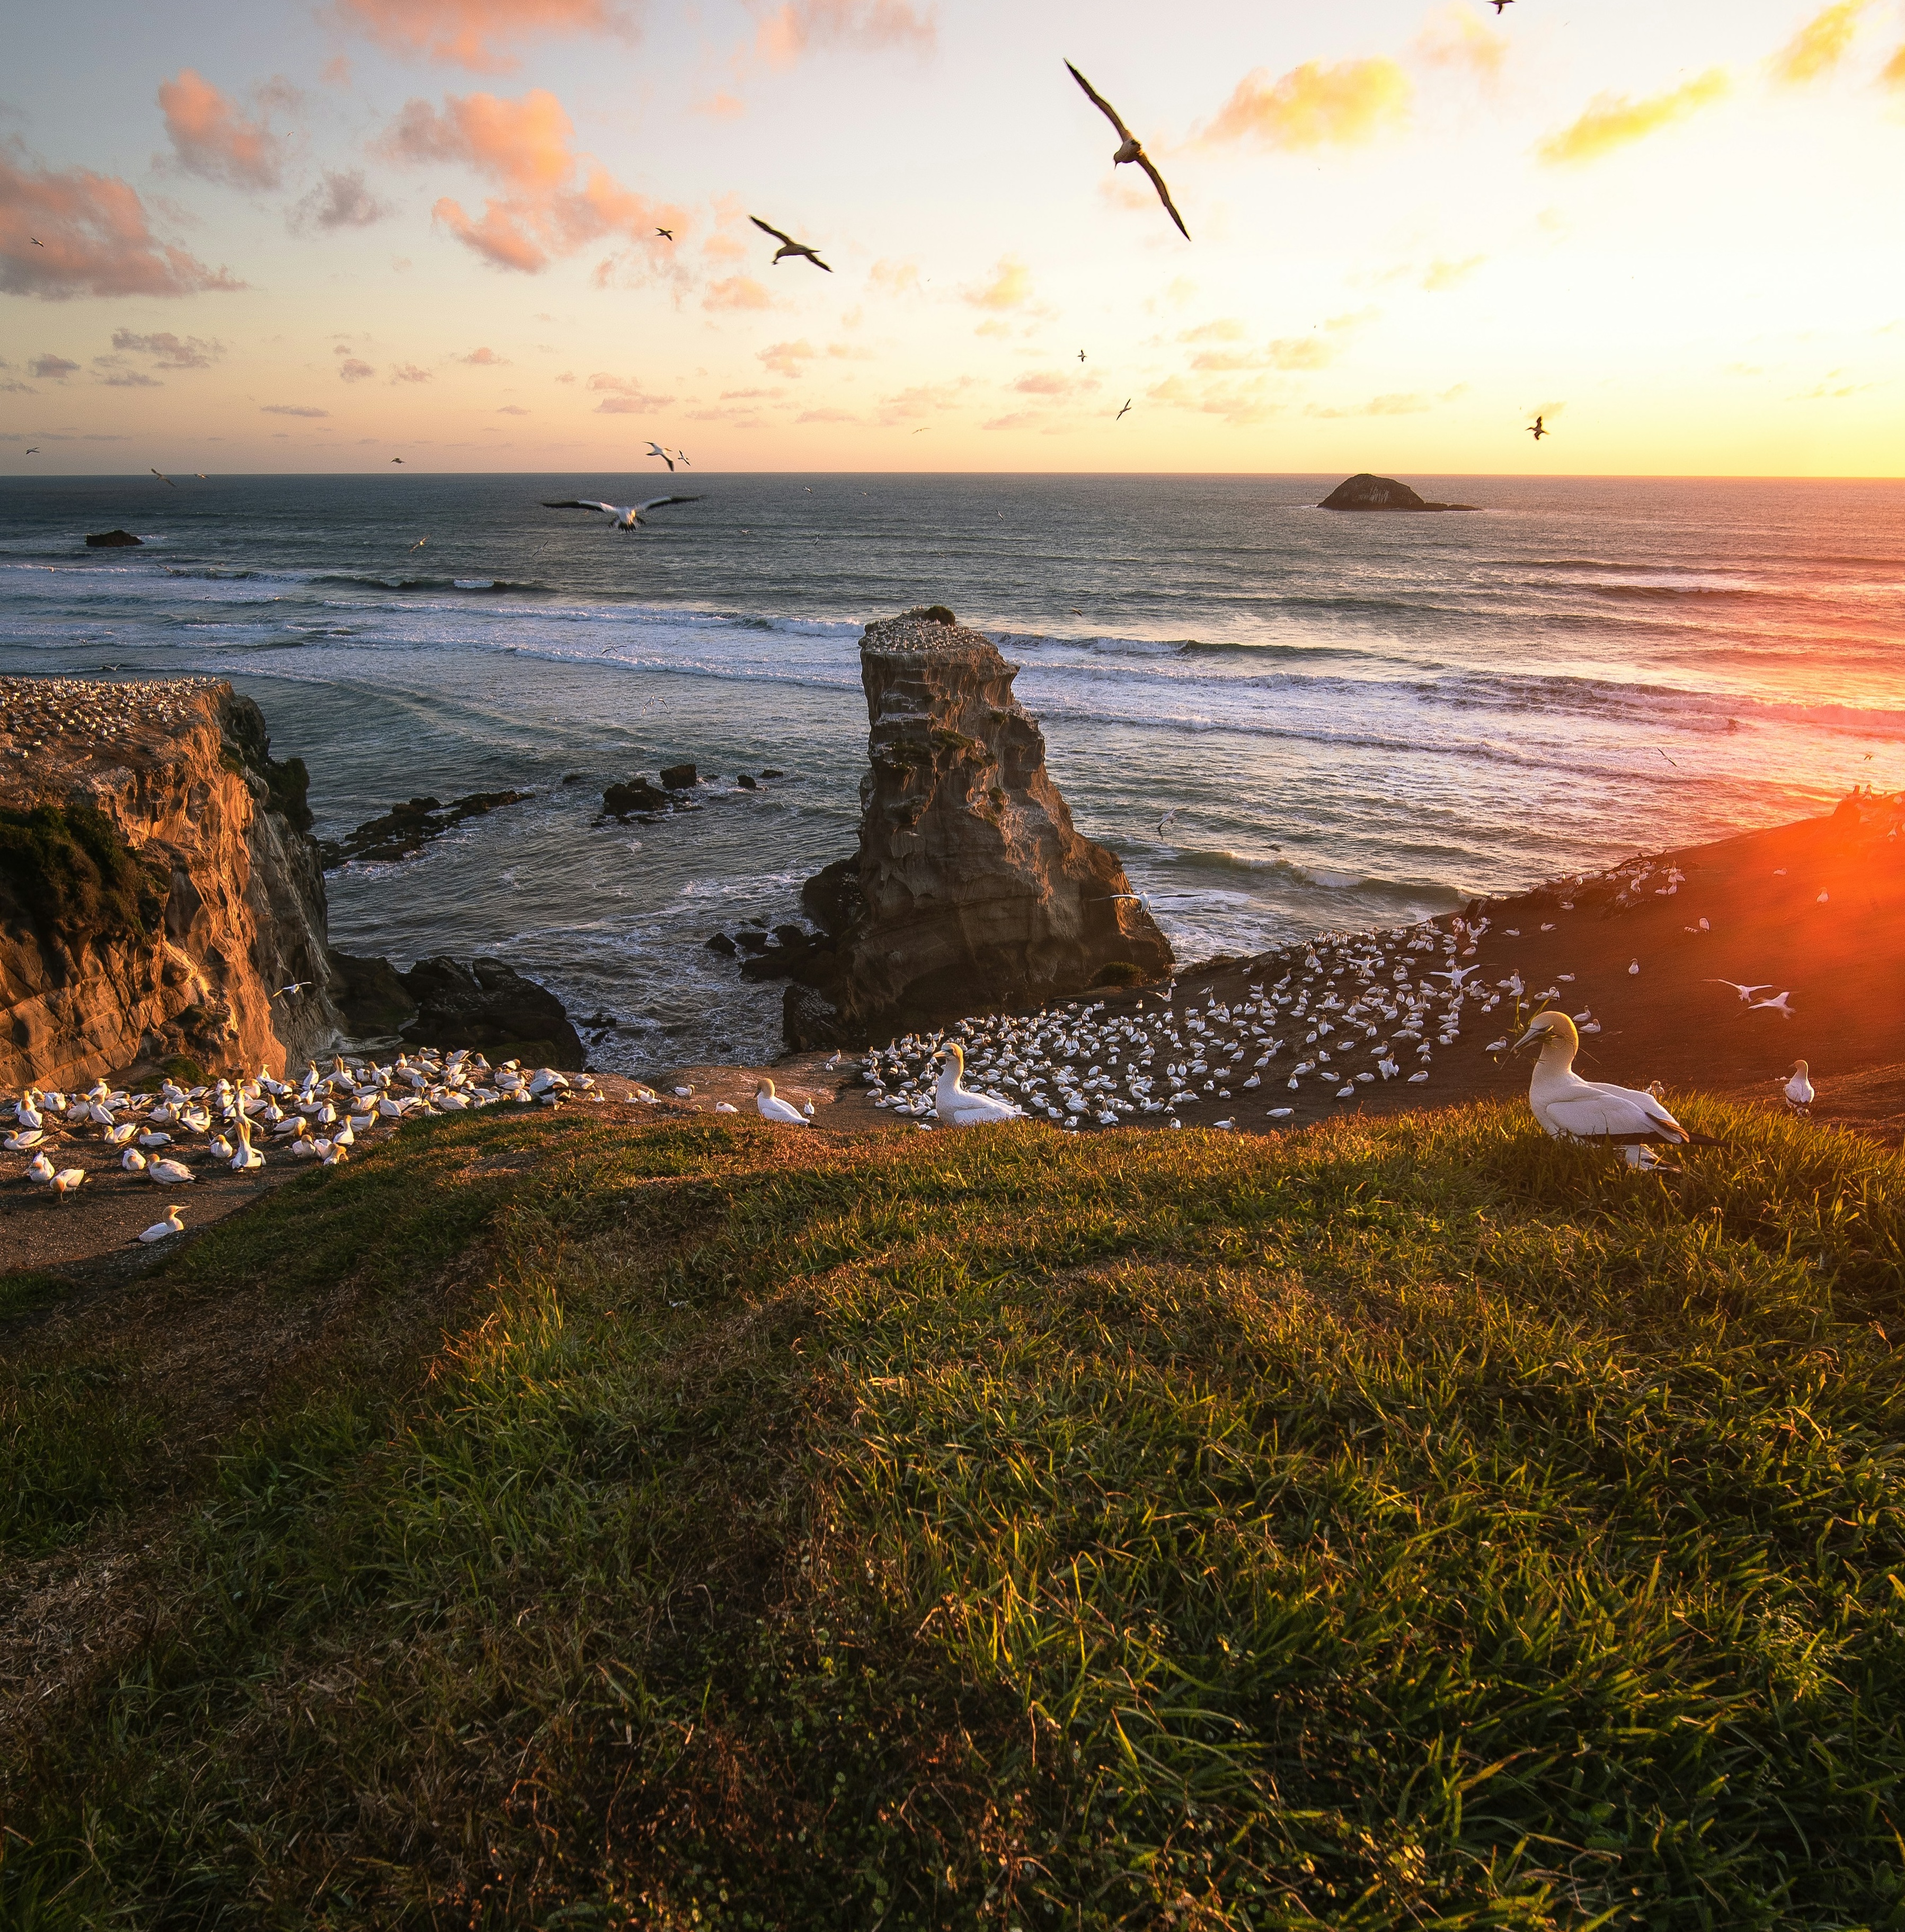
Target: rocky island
[
  {"x": 971, "y": 888},
  {"x": 1380, "y": 493}
]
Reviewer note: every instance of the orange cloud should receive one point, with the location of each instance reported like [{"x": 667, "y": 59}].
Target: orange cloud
[
  {"x": 471, "y": 33},
  {"x": 1611, "y": 121},
  {"x": 211, "y": 138},
  {"x": 791, "y": 30},
  {"x": 788, "y": 358},
  {"x": 1894, "y": 75},
  {"x": 1440, "y": 274},
  {"x": 1010, "y": 287},
  {"x": 525, "y": 144},
  {"x": 1314, "y": 105},
  {"x": 1458, "y": 36},
  {"x": 1819, "y": 45},
  {"x": 737, "y": 291},
  {"x": 92, "y": 237},
  {"x": 897, "y": 277},
  {"x": 485, "y": 359}
]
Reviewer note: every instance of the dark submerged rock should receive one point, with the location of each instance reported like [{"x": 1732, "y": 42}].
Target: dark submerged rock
[
  {"x": 635, "y": 795},
  {"x": 678, "y": 777},
  {"x": 490, "y": 1005},
  {"x": 406, "y": 828},
  {"x": 114, "y": 540}
]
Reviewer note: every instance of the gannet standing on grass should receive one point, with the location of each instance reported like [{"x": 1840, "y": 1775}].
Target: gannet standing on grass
[
  {"x": 1799, "y": 1095},
  {"x": 959, "y": 1108},
  {"x": 771, "y": 1107},
  {"x": 1571, "y": 1108}
]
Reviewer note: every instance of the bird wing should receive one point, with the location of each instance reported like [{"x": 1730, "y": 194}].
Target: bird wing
[
  {"x": 768, "y": 228},
  {"x": 655, "y": 503},
  {"x": 1606, "y": 1111},
  {"x": 817, "y": 262},
  {"x": 1163, "y": 193},
  {"x": 1103, "y": 105},
  {"x": 578, "y": 503}
]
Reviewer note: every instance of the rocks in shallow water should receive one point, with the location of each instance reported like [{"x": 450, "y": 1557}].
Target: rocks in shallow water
[
  {"x": 746, "y": 783},
  {"x": 637, "y": 795},
  {"x": 971, "y": 888},
  {"x": 114, "y": 540},
  {"x": 679, "y": 778},
  {"x": 488, "y": 1004},
  {"x": 722, "y": 944},
  {"x": 371, "y": 995},
  {"x": 1380, "y": 493},
  {"x": 408, "y": 828}
]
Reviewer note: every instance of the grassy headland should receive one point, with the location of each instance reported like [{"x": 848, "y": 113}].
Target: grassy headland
[{"x": 1411, "y": 1523}]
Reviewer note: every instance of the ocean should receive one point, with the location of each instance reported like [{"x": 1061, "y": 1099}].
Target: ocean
[{"x": 1358, "y": 720}]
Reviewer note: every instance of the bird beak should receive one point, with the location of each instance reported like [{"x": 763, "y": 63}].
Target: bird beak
[{"x": 1529, "y": 1040}]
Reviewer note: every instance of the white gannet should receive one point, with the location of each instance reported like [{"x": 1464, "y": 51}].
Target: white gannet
[
  {"x": 39, "y": 1170},
  {"x": 1571, "y": 1108},
  {"x": 66, "y": 1180},
  {"x": 1774, "y": 1005},
  {"x": 1799, "y": 1088},
  {"x": 174, "y": 1172},
  {"x": 957, "y": 1107},
  {"x": 655, "y": 449},
  {"x": 626, "y": 515},
  {"x": 771, "y": 1107},
  {"x": 1128, "y": 148},
  {"x": 1746, "y": 993},
  {"x": 161, "y": 1230},
  {"x": 789, "y": 246}
]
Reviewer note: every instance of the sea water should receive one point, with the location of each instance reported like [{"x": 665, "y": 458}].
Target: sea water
[{"x": 1356, "y": 719}]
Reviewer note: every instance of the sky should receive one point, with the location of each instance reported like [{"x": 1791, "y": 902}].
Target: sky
[{"x": 289, "y": 237}]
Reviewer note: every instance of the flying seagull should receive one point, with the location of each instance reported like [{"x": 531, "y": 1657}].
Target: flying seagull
[
  {"x": 655, "y": 449},
  {"x": 626, "y": 515},
  {"x": 1538, "y": 429},
  {"x": 1128, "y": 148},
  {"x": 666, "y": 234},
  {"x": 1081, "y": 354},
  {"x": 163, "y": 478},
  {"x": 1124, "y": 412},
  {"x": 789, "y": 246}
]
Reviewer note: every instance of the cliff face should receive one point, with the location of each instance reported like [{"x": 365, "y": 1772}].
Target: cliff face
[
  {"x": 971, "y": 888},
  {"x": 158, "y": 883}
]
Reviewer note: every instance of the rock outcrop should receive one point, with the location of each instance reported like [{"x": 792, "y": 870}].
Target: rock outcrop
[
  {"x": 1380, "y": 493},
  {"x": 489, "y": 1005},
  {"x": 159, "y": 885},
  {"x": 406, "y": 829},
  {"x": 970, "y": 889},
  {"x": 113, "y": 540}
]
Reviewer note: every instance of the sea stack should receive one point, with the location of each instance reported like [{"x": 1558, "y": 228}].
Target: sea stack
[
  {"x": 159, "y": 883},
  {"x": 970, "y": 889}
]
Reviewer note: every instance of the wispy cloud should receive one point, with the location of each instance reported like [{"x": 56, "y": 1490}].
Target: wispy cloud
[
  {"x": 1314, "y": 105},
  {"x": 1613, "y": 121},
  {"x": 800, "y": 26},
  {"x": 478, "y": 34},
  {"x": 625, "y": 397},
  {"x": 1819, "y": 45},
  {"x": 1457, "y": 36},
  {"x": 212, "y": 138},
  {"x": 52, "y": 368},
  {"x": 484, "y": 358},
  {"x": 1440, "y": 274},
  {"x": 341, "y": 200},
  {"x": 169, "y": 351},
  {"x": 290, "y": 409},
  {"x": 1010, "y": 285},
  {"x": 92, "y": 238},
  {"x": 741, "y": 292},
  {"x": 352, "y": 368},
  {"x": 409, "y": 372}
]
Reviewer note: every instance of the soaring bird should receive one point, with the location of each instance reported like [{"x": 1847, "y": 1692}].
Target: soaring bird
[
  {"x": 789, "y": 246},
  {"x": 772, "y": 1107},
  {"x": 666, "y": 234},
  {"x": 35, "y": 240},
  {"x": 419, "y": 543},
  {"x": 35, "y": 451},
  {"x": 1746, "y": 993},
  {"x": 1130, "y": 148},
  {"x": 959, "y": 1108},
  {"x": 397, "y": 459},
  {"x": 1124, "y": 412},
  {"x": 1081, "y": 354},
  {"x": 626, "y": 515},
  {"x": 163, "y": 478},
  {"x": 668, "y": 456},
  {"x": 1499, "y": 5},
  {"x": 1571, "y": 1108},
  {"x": 1538, "y": 429}
]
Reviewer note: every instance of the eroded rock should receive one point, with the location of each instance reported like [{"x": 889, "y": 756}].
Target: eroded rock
[{"x": 1366, "y": 492}]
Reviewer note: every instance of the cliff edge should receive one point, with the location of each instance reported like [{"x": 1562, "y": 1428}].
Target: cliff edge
[
  {"x": 970, "y": 889},
  {"x": 159, "y": 884}
]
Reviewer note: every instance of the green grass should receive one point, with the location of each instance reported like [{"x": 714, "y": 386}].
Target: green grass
[{"x": 1414, "y": 1524}]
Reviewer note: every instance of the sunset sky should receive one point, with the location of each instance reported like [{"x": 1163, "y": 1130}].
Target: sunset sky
[{"x": 293, "y": 237}]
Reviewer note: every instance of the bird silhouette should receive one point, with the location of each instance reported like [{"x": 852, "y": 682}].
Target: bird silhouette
[
  {"x": 1081, "y": 354},
  {"x": 789, "y": 246},
  {"x": 1538, "y": 429},
  {"x": 397, "y": 459},
  {"x": 1130, "y": 148},
  {"x": 666, "y": 234},
  {"x": 163, "y": 478},
  {"x": 626, "y": 515},
  {"x": 1124, "y": 412},
  {"x": 1499, "y": 5},
  {"x": 35, "y": 240}
]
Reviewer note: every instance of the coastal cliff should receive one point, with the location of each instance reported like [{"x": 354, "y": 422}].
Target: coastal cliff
[
  {"x": 970, "y": 889},
  {"x": 158, "y": 883}
]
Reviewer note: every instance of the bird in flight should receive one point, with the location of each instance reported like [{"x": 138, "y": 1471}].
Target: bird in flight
[
  {"x": 296, "y": 986},
  {"x": 666, "y": 234},
  {"x": 1130, "y": 148},
  {"x": 35, "y": 240},
  {"x": 1538, "y": 428},
  {"x": 35, "y": 451},
  {"x": 789, "y": 246},
  {"x": 1124, "y": 412},
  {"x": 1081, "y": 354},
  {"x": 669, "y": 457},
  {"x": 419, "y": 543},
  {"x": 163, "y": 478},
  {"x": 1164, "y": 823},
  {"x": 626, "y": 515},
  {"x": 1746, "y": 993},
  {"x": 1499, "y": 5},
  {"x": 397, "y": 459}
]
